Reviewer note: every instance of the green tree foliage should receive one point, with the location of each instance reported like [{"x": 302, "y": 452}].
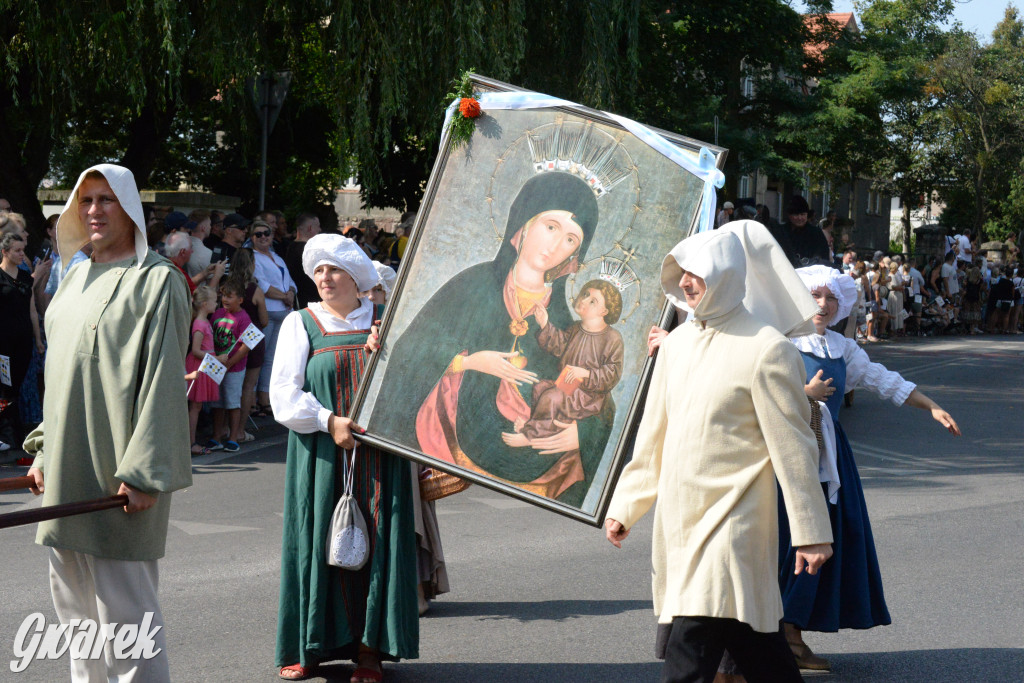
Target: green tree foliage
[
  {"x": 149, "y": 84},
  {"x": 698, "y": 58},
  {"x": 901, "y": 39},
  {"x": 980, "y": 93},
  {"x": 841, "y": 130}
]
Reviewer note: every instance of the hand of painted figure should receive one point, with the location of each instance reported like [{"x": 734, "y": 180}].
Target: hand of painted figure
[
  {"x": 812, "y": 557},
  {"x": 819, "y": 390},
  {"x": 497, "y": 364},
  {"x": 373, "y": 341},
  {"x": 566, "y": 440},
  {"x": 615, "y": 532},
  {"x": 38, "y": 487},
  {"x": 40, "y": 348},
  {"x": 137, "y": 500},
  {"x": 514, "y": 440},
  {"x": 654, "y": 339},
  {"x": 540, "y": 314},
  {"x": 341, "y": 429},
  {"x": 573, "y": 372}
]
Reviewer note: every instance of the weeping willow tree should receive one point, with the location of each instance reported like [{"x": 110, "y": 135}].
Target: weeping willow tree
[{"x": 148, "y": 83}]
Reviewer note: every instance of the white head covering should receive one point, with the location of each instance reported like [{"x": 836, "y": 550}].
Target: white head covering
[
  {"x": 838, "y": 283},
  {"x": 72, "y": 234},
  {"x": 387, "y": 276},
  {"x": 341, "y": 252},
  {"x": 741, "y": 263}
]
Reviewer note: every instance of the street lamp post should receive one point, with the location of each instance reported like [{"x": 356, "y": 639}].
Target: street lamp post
[{"x": 273, "y": 86}]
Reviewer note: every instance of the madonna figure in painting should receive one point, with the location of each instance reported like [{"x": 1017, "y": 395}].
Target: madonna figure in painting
[{"x": 461, "y": 374}]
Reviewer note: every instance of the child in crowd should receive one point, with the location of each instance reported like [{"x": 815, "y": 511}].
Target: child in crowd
[
  {"x": 204, "y": 301},
  {"x": 591, "y": 353},
  {"x": 229, "y": 322}
]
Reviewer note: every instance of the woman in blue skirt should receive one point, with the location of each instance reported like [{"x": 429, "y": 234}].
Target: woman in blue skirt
[{"x": 847, "y": 591}]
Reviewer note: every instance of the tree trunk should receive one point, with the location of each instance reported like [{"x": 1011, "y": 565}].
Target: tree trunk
[
  {"x": 853, "y": 205},
  {"x": 905, "y": 220},
  {"x": 147, "y": 133},
  {"x": 979, "y": 203},
  {"x": 24, "y": 166}
]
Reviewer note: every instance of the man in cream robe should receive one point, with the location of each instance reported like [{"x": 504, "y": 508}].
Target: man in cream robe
[
  {"x": 114, "y": 419},
  {"x": 725, "y": 416}
]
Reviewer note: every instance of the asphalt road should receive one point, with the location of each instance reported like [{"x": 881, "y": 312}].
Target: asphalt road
[{"x": 537, "y": 597}]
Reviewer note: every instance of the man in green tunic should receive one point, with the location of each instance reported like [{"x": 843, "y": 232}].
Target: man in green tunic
[{"x": 114, "y": 420}]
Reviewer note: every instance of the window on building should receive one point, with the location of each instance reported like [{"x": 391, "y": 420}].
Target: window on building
[
  {"x": 826, "y": 196},
  {"x": 748, "y": 87},
  {"x": 744, "y": 189}
]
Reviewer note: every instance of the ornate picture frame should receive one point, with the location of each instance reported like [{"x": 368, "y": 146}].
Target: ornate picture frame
[{"x": 513, "y": 349}]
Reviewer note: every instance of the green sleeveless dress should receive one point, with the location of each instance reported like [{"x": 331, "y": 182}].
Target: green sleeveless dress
[{"x": 325, "y": 612}]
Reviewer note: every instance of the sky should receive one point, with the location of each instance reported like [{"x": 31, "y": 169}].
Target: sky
[{"x": 979, "y": 16}]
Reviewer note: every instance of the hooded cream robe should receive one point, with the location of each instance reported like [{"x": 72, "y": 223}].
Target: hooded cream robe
[
  {"x": 115, "y": 407},
  {"x": 725, "y": 415}
]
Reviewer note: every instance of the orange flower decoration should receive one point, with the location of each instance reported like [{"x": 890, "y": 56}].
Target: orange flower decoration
[
  {"x": 469, "y": 107},
  {"x": 518, "y": 327}
]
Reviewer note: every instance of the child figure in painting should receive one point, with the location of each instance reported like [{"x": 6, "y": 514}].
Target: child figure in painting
[{"x": 591, "y": 364}]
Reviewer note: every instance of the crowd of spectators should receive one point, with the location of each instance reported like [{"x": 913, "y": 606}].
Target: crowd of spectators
[
  {"x": 237, "y": 270},
  {"x": 963, "y": 292}
]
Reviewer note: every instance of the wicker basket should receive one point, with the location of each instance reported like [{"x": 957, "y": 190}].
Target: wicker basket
[
  {"x": 816, "y": 423},
  {"x": 438, "y": 484}
]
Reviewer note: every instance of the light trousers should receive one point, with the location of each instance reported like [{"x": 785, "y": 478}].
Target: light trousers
[{"x": 109, "y": 592}]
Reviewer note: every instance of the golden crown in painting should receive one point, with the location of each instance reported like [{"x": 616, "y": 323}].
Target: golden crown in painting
[{"x": 583, "y": 149}]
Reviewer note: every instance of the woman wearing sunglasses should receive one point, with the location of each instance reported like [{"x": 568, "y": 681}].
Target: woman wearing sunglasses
[{"x": 279, "y": 290}]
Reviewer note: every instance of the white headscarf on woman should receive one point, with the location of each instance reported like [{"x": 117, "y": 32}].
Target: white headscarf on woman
[
  {"x": 741, "y": 263},
  {"x": 840, "y": 284},
  {"x": 72, "y": 234},
  {"x": 342, "y": 252},
  {"x": 387, "y": 276}
]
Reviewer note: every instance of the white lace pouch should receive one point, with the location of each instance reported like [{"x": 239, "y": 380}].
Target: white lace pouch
[{"x": 347, "y": 543}]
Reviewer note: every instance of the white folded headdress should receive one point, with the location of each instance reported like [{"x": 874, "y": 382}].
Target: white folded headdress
[
  {"x": 342, "y": 252},
  {"x": 387, "y": 276}
]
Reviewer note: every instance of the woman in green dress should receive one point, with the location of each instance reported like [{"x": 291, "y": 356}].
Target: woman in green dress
[{"x": 325, "y": 612}]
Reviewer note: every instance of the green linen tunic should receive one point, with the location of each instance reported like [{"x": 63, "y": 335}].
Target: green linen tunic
[
  {"x": 325, "y": 612},
  {"x": 115, "y": 408}
]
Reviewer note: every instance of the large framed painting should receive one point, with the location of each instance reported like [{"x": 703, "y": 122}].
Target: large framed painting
[{"x": 513, "y": 351}]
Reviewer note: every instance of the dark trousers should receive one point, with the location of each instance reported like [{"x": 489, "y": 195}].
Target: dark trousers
[{"x": 695, "y": 646}]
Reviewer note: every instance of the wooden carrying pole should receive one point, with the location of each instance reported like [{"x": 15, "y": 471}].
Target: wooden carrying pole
[
  {"x": 13, "y": 483},
  {"x": 65, "y": 510}
]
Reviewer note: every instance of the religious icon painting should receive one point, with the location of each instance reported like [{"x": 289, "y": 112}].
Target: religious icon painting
[{"x": 514, "y": 347}]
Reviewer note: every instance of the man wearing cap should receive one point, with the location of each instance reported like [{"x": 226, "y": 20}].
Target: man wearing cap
[
  {"x": 115, "y": 420},
  {"x": 234, "y": 235},
  {"x": 803, "y": 244},
  {"x": 725, "y": 417},
  {"x": 175, "y": 221},
  {"x": 725, "y": 215}
]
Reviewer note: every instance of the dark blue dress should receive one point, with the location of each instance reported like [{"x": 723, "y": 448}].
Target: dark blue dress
[{"x": 847, "y": 591}]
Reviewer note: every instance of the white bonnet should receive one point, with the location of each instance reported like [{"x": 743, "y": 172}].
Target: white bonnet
[
  {"x": 72, "y": 234},
  {"x": 342, "y": 252},
  {"x": 387, "y": 276},
  {"x": 840, "y": 284}
]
